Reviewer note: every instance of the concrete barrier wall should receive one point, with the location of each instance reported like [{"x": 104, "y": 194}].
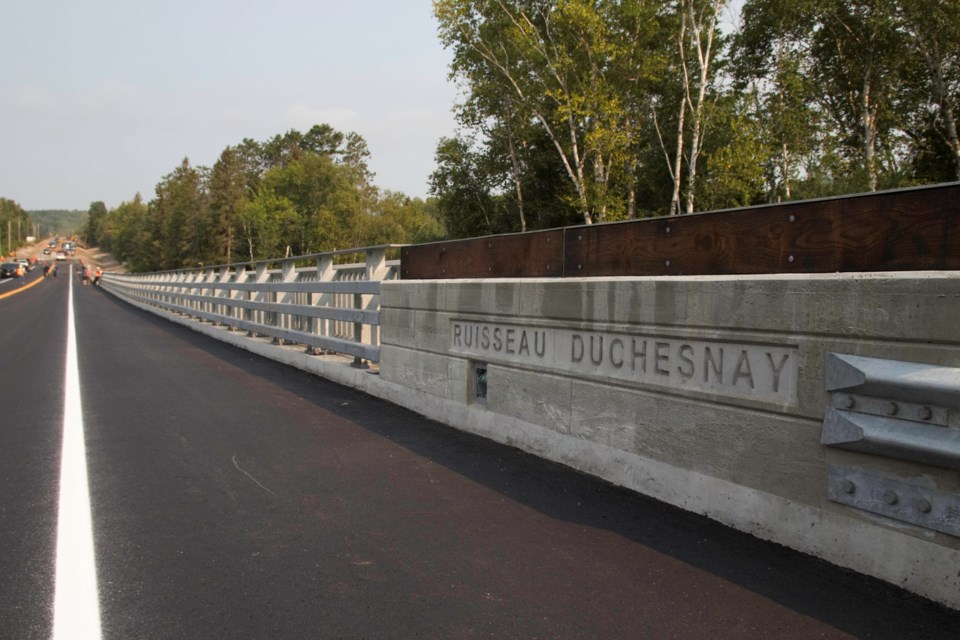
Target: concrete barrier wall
[{"x": 705, "y": 392}]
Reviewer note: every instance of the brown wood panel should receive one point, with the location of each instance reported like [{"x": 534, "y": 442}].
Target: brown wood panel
[
  {"x": 523, "y": 255},
  {"x": 904, "y": 230},
  {"x": 912, "y": 229}
]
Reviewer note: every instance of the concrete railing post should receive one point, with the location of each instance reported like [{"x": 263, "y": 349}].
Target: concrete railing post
[
  {"x": 288, "y": 274},
  {"x": 260, "y": 277},
  {"x": 376, "y": 270},
  {"x": 321, "y": 326}
]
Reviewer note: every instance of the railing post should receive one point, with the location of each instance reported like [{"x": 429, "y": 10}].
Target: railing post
[
  {"x": 375, "y": 269},
  {"x": 209, "y": 276},
  {"x": 288, "y": 274},
  {"x": 232, "y": 312},
  {"x": 321, "y": 326},
  {"x": 193, "y": 278},
  {"x": 261, "y": 276},
  {"x": 223, "y": 308},
  {"x": 184, "y": 279}
]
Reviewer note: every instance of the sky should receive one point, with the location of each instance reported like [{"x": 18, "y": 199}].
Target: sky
[{"x": 100, "y": 99}]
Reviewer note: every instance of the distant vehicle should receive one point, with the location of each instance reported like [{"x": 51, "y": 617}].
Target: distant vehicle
[
  {"x": 46, "y": 251},
  {"x": 26, "y": 264},
  {"x": 9, "y": 269},
  {"x": 61, "y": 255},
  {"x": 52, "y": 244}
]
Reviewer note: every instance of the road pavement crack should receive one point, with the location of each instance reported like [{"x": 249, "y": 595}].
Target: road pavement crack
[{"x": 246, "y": 473}]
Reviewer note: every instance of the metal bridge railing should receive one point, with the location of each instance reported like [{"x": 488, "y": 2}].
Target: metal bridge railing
[{"x": 306, "y": 300}]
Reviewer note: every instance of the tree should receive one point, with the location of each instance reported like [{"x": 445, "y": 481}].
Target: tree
[
  {"x": 233, "y": 181},
  {"x": 700, "y": 20},
  {"x": 327, "y": 201},
  {"x": 182, "y": 221},
  {"x": 261, "y": 222},
  {"x": 126, "y": 234},
  {"x": 461, "y": 187},
  {"x": 96, "y": 215},
  {"x": 734, "y": 172},
  {"x": 399, "y": 219}
]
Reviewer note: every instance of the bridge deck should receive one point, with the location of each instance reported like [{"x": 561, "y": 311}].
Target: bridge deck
[{"x": 233, "y": 497}]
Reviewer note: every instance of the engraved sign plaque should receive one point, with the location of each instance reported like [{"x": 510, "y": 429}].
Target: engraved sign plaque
[{"x": 766, "y": 373}]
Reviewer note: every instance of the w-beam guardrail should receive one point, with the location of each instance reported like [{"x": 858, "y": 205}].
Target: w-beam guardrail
[{"x": 306, "y": 300}]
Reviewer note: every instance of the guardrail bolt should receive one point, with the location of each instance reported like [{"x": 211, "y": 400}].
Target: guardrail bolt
[
  {"x": 890, "y": 498},
  {"x": 847, "y": 401},
  {"x": 892, "y": 408},
  {"x": 924, "y": 506},
  {"x": 925, "y": 413},
  {"x": 848, "y": 487}
]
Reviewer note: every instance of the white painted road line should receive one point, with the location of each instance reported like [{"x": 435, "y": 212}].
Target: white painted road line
[{"x": 76, "y": 605}]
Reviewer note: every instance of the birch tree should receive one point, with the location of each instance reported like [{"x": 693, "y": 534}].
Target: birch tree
[{"x": 701, "y": 19}]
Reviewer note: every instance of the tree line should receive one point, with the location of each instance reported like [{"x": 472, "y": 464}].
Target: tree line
[
  {"x": 58, "y": 222},
  {"x": 294, "y": 194},
  {"x": 582, "y": 111}
]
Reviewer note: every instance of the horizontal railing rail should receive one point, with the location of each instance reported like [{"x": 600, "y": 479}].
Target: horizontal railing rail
[{"x": 305, "y": 300}]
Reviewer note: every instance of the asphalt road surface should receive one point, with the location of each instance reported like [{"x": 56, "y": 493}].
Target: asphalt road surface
[{"x": 233, "y": 497}]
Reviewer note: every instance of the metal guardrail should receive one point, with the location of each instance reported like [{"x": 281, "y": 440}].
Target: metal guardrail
[
  {"x": 327, "y": 307},
  {"x": 900, "y": 410}
]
